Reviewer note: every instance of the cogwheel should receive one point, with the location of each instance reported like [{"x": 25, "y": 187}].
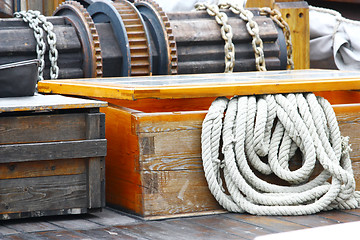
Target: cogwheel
[
  {"x": 89, "y": 37},
  {"x": 170, "y": 40},
  {"x": 138, "y": 39}
]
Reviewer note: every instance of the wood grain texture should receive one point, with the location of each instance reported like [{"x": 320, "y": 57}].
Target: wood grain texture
[
  {"x": 158, "y": 170},
  {"x": 122, "y": 167},
  {"x": 207, "y": 85},
  {"x": 174, "y": 192},
  {"x": 340, "y": 97},
  {"x": 96, "y": 181},
  {"x": 48, "y": 102},
  {"x": 52, "y": 150},
  {"x": 42, "y": 168},
  {"x": 42, "y": 128},
  {"x": 50, "y": 193},
  {"x": 296, "y": 14}
]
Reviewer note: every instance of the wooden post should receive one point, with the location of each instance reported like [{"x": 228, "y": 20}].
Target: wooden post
[{"x": 296, "y": 14}]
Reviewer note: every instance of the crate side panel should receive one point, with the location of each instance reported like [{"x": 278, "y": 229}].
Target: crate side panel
[{"x": 123, "y": 184}]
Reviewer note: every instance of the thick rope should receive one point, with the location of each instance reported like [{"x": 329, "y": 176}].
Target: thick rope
[{"x": 265, "y": 134}]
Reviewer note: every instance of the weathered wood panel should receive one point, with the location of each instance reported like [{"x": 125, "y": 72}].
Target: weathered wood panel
[
  {"x": 96, "y": 182},
  {"x": 52, "y": 150},
  {"x": 42, "y": 128},
  {"x": 42, "y": 168},
  {"x": 175, "y": 192},
  {"x": 50, "y": 193},
  {"x": 348, "y": 116}
]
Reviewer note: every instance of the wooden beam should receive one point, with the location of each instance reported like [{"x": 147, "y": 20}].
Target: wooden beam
[{"x": 52, "y": 150}]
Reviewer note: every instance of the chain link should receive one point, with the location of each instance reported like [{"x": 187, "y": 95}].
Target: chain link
[
  {"x": 226, "y": 33},
  {"x": 253, "y": 29},
  {"x": 275, "y": 15},
  {"x": 38, "y": 23}
]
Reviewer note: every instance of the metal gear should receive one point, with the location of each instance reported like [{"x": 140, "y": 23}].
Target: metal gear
[
  {"x": 162, "y": 31},
  {"x": 79, "y": 17},
  {"x": 140, "y": 50}
]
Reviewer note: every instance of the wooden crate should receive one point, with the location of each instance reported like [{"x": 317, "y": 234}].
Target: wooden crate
[
  {"x": 52, "y": 152},
  {"x": 153, "y": 127}
]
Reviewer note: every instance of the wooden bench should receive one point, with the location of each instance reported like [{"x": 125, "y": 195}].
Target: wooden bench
[
  {"x": 153, "y": 127},
  {"x": 52, "y": 151}
]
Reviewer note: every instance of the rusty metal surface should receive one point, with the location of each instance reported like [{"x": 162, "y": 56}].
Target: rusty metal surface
[
  {"x": 162, "y": 36},
  {"x": 89, "y": 37},
  {"x": 140, "y": 51},
  {"x": 103, "y": 11}
]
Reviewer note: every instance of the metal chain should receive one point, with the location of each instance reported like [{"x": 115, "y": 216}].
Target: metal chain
[
  {"x": 226, "y": 33},
  {"x": 38, "y": 23},
  {"x": 275, "y": 15},
  {"x": 253, "y": 29}
]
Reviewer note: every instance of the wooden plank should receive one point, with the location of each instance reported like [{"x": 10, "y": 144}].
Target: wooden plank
[
  {"x": 109, "y": 233},
  {"x": 163, "y": 105},
  {"x": 340, "y": 216},
  {"x": 52, "y": 150},
  {"x": 42, "y": 193},
  {"x": 44, "y": 213},
  {"x": 340, "y": 97},
  {"x": 339, "y": 231},
  {"x": 266, "y": 222},
  {"x": 296, "y": 14},
  {"x": 93, "y": 129},
  {"x": 349, "y": 123},
  {"x": 28, "y": 226},
  {"x": 309, "y": 220},
  {"x": 96, "y": 183},
  {"x": 174, "y": 192},
  {"x": 109, "y": 217},
  {"x": 229, "y": 225},
  {"x": 64, "y": 235},
  {"x": 42, "y": 128},
  {"x": 207, "y": 85},
  {"x": 122, "y": 168},
  {"x": 48, "y": 102},
  {"x": 42, "y": 168}
]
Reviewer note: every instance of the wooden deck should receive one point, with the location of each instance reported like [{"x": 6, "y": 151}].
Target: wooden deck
[{"x": 111, "y": 224}]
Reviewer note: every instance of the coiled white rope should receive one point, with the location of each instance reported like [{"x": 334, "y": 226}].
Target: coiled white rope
[{"x": 263, "y": 133}]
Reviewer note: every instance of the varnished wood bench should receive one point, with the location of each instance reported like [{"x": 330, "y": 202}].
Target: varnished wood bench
[{"x": 153, "y": 166}]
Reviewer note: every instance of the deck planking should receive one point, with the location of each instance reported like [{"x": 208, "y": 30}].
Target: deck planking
[{"x": 112, "y": 224}]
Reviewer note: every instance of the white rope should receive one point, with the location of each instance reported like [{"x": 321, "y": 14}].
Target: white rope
[{"x": 262, "y": 134}]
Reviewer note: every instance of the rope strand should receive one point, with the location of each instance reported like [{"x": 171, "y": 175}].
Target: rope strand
[{"x": 263, "y": 133}]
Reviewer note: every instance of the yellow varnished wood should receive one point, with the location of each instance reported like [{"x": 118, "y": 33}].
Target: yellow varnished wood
[
  {"x": 296, "y": 14},
  {"x": 206, "y": 85}
]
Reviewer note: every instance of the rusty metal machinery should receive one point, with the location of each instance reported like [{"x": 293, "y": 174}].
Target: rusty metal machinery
[{"x": 120, "y": 38}]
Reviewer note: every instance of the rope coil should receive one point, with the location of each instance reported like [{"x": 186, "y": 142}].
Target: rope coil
[{"x": 265, "y": 134}]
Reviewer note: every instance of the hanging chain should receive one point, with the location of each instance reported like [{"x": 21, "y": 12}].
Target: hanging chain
[
  {"x": 253, "y": 29},
  {"x": 38, "y": 23},
  {"x": 275, "y": 15},
  {"x": 226, "y": 33}
]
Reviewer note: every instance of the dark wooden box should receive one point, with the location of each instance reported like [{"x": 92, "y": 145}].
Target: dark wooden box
[{"x": 52, "y": 152}]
